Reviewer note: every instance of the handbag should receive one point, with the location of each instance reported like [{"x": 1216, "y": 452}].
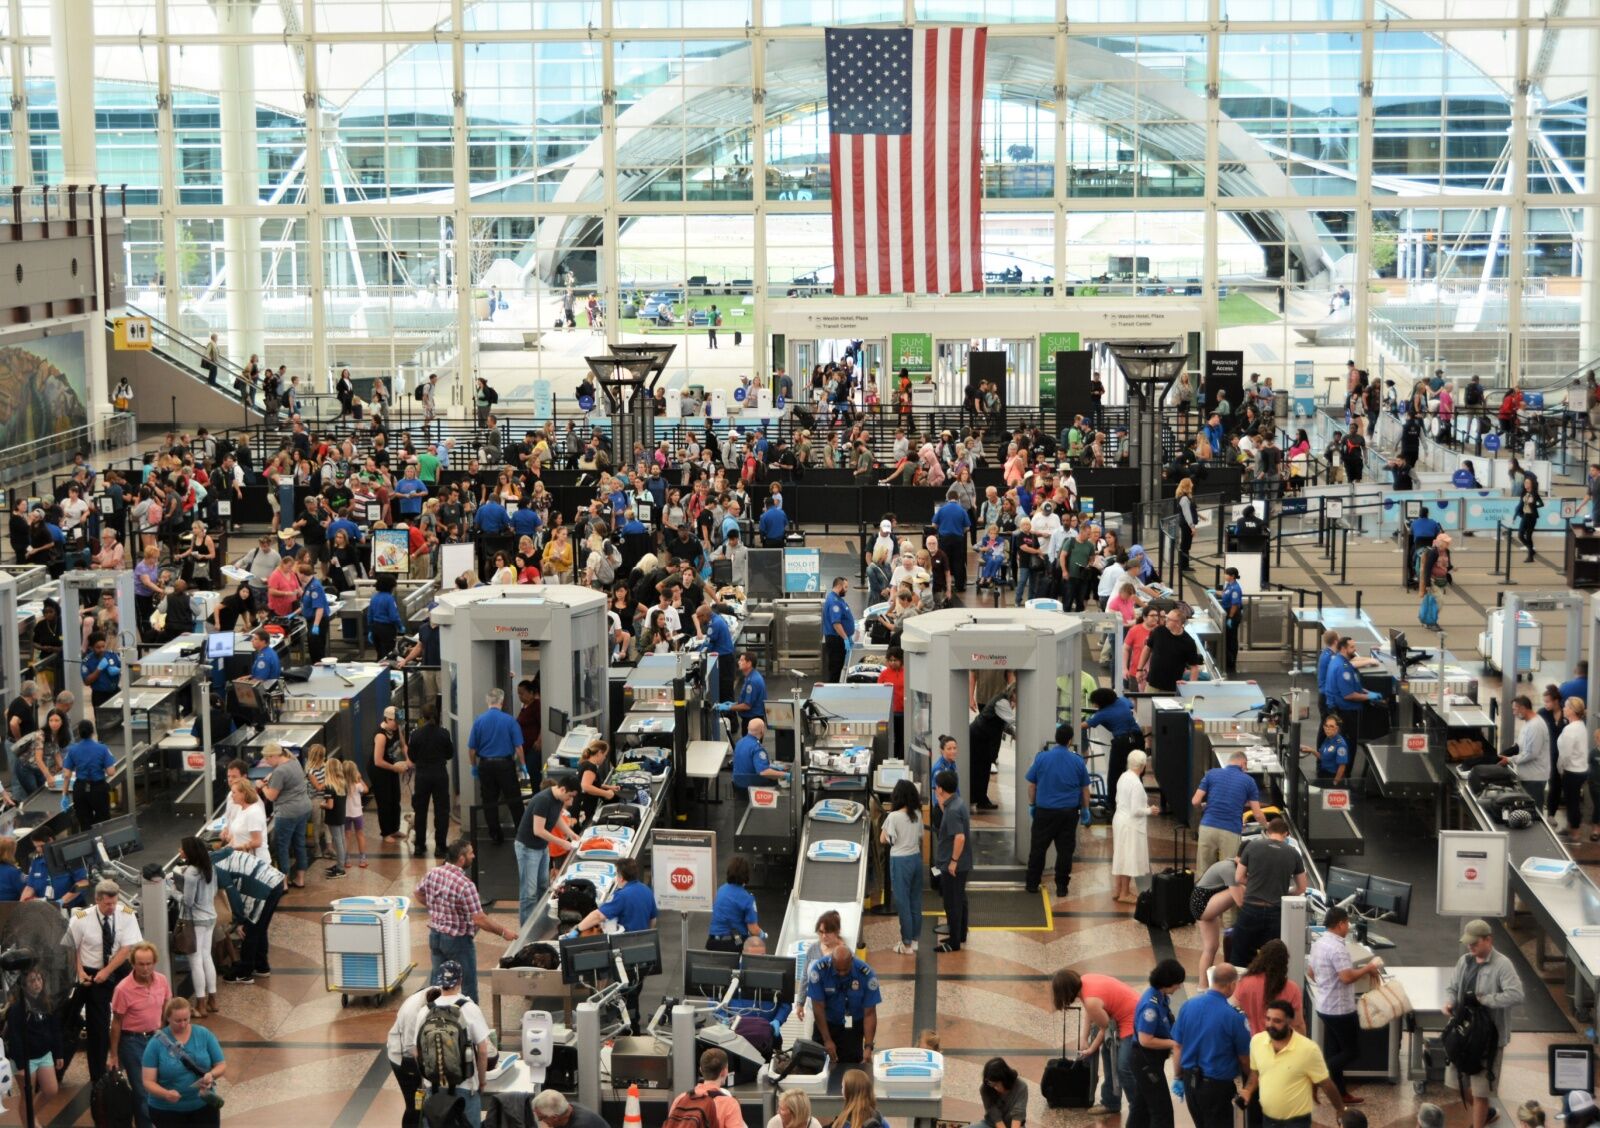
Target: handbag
[
  {"x": 183, "y": 938},
  {"x": 210, "y": 1097},
  {"x": 1385, "y": 1003}
]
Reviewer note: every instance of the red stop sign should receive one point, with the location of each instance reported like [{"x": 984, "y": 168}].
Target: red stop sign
[
  {"x": 683, "y": 879},
  {"x": 1472, "y": 874}
]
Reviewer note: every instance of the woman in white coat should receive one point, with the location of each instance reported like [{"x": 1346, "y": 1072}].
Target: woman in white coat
[{"x": 1130, "y": 830}]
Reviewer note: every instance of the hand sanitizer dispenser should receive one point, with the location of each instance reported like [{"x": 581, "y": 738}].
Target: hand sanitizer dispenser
[{"x": 537, "y": 1043}]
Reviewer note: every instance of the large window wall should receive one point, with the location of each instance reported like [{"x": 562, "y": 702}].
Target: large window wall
[{"x": 404, "y": 185}]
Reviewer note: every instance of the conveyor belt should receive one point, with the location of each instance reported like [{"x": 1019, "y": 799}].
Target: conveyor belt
[
  {"x": 1560, "y": 908},
  {"x": 832, "y": 881},
  {"x": 768, "y": 830},
  {"x": 1401, "y": 774}
]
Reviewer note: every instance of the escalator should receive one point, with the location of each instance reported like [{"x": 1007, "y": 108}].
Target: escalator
[{"x": 170, "y": 382}]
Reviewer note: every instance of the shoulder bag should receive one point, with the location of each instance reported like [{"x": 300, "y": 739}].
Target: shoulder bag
[
  {"x": 1385, "y": 1003},
  {"x": 210, "y": 1098}
]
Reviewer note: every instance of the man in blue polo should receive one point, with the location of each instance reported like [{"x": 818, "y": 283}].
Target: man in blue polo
[
  {"x": 1325, "y": 660},
  {"x": 265, "y": 666},
  {"x": 751, "y": 703},
  {"x": 525, "y": 521},
  {"x": 953, "y": 523},
  {"x": 838, "y": 630},
  {"x": 1232, "y": 601},
  {"x": 751, "y": 765},
  {"x": 492, "y": 519},
  {"x": 410, "y": 492},
  {"x": 494, "y": 748},
  {"x": 1213, "y": 1050},
  {"x": 101, "y": 670},
  {"x": 1577, "y": 685},
  {"x": 633, "y": 906},
  {"x": 1223, "y": 795},
  {"x": 774, "y": 525},
  {"x": 1343, "y": 692},
  {"x": 1058, "y": 796},
  {"x": 87, "y": 763},
  {"x": 719, "y": 641},
  {"x": 844, "y": 997}
]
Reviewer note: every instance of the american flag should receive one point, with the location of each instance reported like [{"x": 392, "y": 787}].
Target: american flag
[{"x": 905, "y": 111}]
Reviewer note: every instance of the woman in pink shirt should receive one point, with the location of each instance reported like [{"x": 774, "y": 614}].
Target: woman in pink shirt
[
  {"x": 283, "y": 587},
  {"x": 1122, "y": 603},
  {"x": 1106, "y": 1003},
  {"x": 1266, "y": 979}
]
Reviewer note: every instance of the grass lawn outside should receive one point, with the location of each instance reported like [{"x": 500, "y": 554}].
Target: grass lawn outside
[
  {"x": 1241, "y": 309},
  {"x": 725, "y": 303}
]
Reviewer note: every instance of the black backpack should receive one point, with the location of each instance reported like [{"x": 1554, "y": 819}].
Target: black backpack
[
  {"x": 420, "y": 393},
  {"x": 445, "y": 1110},
  {"x": 111, "y": 1103},
  {"x": 1470, "y": 1039}
]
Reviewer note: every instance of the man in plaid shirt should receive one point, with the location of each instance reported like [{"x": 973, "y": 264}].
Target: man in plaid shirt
[{"x": 455, "y": 913}]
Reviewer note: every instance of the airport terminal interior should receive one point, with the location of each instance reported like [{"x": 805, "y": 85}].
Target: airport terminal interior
[{"x": 937, "y": 483}]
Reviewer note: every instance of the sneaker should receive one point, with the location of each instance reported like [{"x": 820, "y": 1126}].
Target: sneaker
[
  {"x": 946, "y": 946},
  {"x": 899, "y": 948},
  {"x": 1100, "y": 1110},
  {"x": 362, "y": 863},
  {"x": 229, "y": 977},
  {"x": 263, "y": 972},
  {"x": 334, "y": 871}
]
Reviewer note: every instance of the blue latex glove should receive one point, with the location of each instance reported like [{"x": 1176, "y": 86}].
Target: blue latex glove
[
  {"x": 66, "y": 800},
  {"x": 1177, "y": 1089},
  {"x": 316, "y": 629},
  {"x": 723, "y": 707},
  {"x": 1374, "y": 696},
  {"x": 1033, "y": 810},
  {"x": 474, "y": 771},
  {"x": 777, "y": 1031},
  {"x": 572, "y": 935}
]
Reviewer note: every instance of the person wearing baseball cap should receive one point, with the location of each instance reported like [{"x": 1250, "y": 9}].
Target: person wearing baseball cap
[
  {"x": 1578, "y": 1108},
  {"x": 448, "y": 977},
  {"x": 1482, "y": 977}
]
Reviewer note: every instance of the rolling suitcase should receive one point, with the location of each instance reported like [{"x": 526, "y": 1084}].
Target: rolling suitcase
[
  {"x": 1165, "y": 905},
  {"x": 1068, "y": 1082}
]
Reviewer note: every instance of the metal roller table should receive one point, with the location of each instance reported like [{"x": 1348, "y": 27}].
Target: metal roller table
[
  {"x": 1568, "y": 913},
  {"x": 769, "y": 829},
  {"x": 1346, "y": 620},
  {"x": 1400, "y": 774},
  {"x": 821, "y": 886}
]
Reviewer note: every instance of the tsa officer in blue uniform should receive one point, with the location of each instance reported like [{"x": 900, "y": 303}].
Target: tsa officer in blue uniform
[
  {"x": 1151, "y": 1045},
  {"x": 1213, "y": 1050},
  {"x": 1343, "y": 693},
  {"x": 101, "y": 670},
  {"x": 751, "y": 703},
  {"x": 86, "y": 764},
  {"x": 316, "y": 610},
  {"x": 1333, "y": 754},
  {"x": 1058, "y": 796},
  {"x": 733, "y": 910},
  {"x": 838, "y": 630},
  {"x": 68, "y": 890},
  {"x": 1232, "y": 599},
  {"x": 844, "y": 997},
  {"x": 1114, "y": 714},
  {"x": 751, "y": 765},
  {"x": 632, "y": 906},
  {"x": 719, "y": 641},
  {"x": 265, "y": 666}
]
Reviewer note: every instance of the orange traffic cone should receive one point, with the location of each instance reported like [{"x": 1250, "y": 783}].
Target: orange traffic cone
[{"x": 631, "y": 1117}]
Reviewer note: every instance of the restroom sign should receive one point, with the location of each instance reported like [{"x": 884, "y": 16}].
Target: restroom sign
[{"x": 131, "y": 333}]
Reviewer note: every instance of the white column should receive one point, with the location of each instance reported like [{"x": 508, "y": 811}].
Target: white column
[
  {"x": 1361, "y": 346},
  {"x": 760, "y": 347},
  {"x": 316, "y": 268},
  {"x": 1517, "y": 240},
  {"x": 466, "y": 311},
  {"x": 1210, "y": 313},
  {"x": 166, "y": 139},
  {"x": 17, "y": 59},
  {"x": 1589, "y": 289},
  {"x": 241, "y": 235},
  {"x": 72, "y": 49}
]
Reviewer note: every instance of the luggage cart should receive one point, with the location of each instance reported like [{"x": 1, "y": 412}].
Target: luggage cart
[{"x": 366, "y": 947}]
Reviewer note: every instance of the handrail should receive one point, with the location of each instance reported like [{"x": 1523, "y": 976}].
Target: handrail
[
  {"x": 117, "y": 429},
  {"x": 193, "y": 346}
]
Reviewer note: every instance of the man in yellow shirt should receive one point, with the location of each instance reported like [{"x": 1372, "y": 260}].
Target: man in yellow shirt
[{"x": 1285, "y": 1066}]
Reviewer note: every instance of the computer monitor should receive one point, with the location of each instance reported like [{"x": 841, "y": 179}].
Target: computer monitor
[
  {"x": 767, "y": 977},
  {"x": 1343, "y": 884},
  {"x": 640, "y": 951},
  {"x": 707, "y": 973},
  {"x": 66, "y": 854},
  {"x": 120, "y": 835},
  {"x": 586, "y": 959},
  {"x": 244, "y": 695},
  {"x": 558, "y": 722},
  {"x": 1390, "y": 897},
  {"x": 219, "y": 644}
]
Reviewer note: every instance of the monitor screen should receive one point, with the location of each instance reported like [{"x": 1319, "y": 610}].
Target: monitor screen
[
  {"x": 219, "y": 644},
  {"x": 708, "y": 973},
  {"x": 764, "y": 570},
  {"x": 1343, "y": 883},
  {"x": 244, "y": 694},
  {"x": 640, "y": 951},
  {"x": 766, "y": 976},
  {"x": 1390, "y": 897},
  {"x": 586, "y": 959},
  {"x": 558, "y": 722}
]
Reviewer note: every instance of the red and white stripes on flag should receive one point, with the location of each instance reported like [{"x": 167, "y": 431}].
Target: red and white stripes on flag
[{"x": 906, "y": 195}]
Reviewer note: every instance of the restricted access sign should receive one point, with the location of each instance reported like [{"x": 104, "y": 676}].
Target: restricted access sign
[{"x": 683, "y": 869}]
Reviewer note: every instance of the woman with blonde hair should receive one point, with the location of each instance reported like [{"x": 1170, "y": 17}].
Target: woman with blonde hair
[
  {"x": 1572, "y": 760},
  {"x": 860, "y": 1108},
  {"x": 557, "y": 563},
  {"x": 246, "y": 829},
  {"x": 794, "y": 1111},
  {"x": 1188, "y": 520},
  {"x": 317, "y": 784},
  {"x": 1130, "y": 829}
]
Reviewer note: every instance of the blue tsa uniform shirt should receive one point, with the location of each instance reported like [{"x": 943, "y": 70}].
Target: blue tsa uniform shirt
[
  {"x": 1060, "y": 778},
  {"x": 836, "y": 610},
  {"x": 749, "y": 761},
  {"x": 88, "y": 760},
  {"x": 1332, "y": 754},
  {"x": 266, "y": 666},
  {"x": 842, "y": 995},
  {"x": 633, "y": 906},
  {"x": 732, "y": 913},
  {"x": 1214, "y": 1036},
  {"x": 1232, "y": 599},
  {"x": 754, "y": 694},
  {"x": 1342, "y": 681},
  {"x": 1153, "y": 1015}
]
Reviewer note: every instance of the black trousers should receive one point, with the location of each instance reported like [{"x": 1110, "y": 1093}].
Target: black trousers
[
  {"x": 91, "y": 799},
  {"x": 832, "y": 658},
  {"x": 1230, "y": 637},
  {"x": 850, "y": 1043},
  {"x": 95, "y": 1003},
  {"x": 1341, "y": 1044},
  {"x": 317, "y": 641},
  {"x": 727, "y": 665},
  {"x": 1254, "y": 927},
  {"x": 386, "y": 794},
  {"x": 497, "y": 783},
  {"x": 982, "y": 758},
  {"x": 953, "y": 891},
  {"x": 1210, "y": 1101},
  {"x": 253, "y": 954},
  {"x": 1185, "y": 540},
  {"x": 1525, "y": 535},
  {"x": 409, "y": 1078},
  {"x": 1351, "y": 720},
  {"x": 956, "y": 549},
  {"x": 383, "y": 636},
  {"x": 1150, "y": 1103},
  {"x": 431, "y": 786},
  {"x": 1572, "y": 797},
  {"x": 1058, "y": 827}
]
